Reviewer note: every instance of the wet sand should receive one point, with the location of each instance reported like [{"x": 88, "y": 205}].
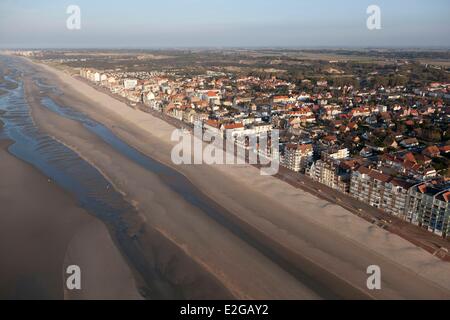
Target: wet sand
[
  {"x": 42, "y": 231},
  {"x": 324, "y": 240},
  {"x": 219, "y": 256}
]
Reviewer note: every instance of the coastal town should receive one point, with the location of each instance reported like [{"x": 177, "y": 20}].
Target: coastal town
[
  {"x": 386, "y": 145},
  {"x": 246, "y": 157}
]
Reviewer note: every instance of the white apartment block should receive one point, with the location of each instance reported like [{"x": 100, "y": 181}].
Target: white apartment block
[
  {"x": 380, "y": 190},
  {"x": 330, "y": 174},
  {"x": 429, "y": 207},
  {"x": 130, "y": 83},
  {"x": 297, "y": 156}
]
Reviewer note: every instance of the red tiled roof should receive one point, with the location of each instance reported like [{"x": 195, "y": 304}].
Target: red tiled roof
[
  {"x": 410, "y": 157},
  {"x": 445, "y": 149},
  {"x": 422, "y": 188},
  {"x": 233, "y": 126},
  {"x": 363, "y": 170},
  {"x": 301, "y": 147},
  {"x": 330, "y": 138},
  {"x": 401, "y": 183},
  {"x": 374, "y": 174},
  {"x": 380, "y": 176},
  {"x": 446, "y": 196},
  {"x": 431, "y": 150},
  {"x": 212, "y": 123}
]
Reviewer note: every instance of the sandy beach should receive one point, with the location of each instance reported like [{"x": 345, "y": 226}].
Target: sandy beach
[
  {"x": 42, "y": 231},
  {"x": 219, "y": 252},
  {"x": 325, "y": 241}
]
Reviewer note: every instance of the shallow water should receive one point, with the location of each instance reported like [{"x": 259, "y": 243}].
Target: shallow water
[
  {"x": 64, "y": 167},
  {"x": 56, "y": 161}
]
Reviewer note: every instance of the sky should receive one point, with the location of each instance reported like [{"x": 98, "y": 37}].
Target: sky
[{"x": 223, "y": 23}]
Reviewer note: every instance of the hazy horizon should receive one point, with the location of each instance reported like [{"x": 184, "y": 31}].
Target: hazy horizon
[
  {"x": 156, "y": 48},
  {"x": 224, "y": 24}
]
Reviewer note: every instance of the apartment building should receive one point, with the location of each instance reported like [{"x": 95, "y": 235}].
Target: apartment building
[
  {"x": 428, "y": 207},
  {"x": 331, "y": 173},
  {"x": 396, "y": 197},
  {"x": 130, "y": 83},
  {"x": 380, "y": 190},
  {"x": 336, "y": 153},
  {"x": 297, "y": 156}
]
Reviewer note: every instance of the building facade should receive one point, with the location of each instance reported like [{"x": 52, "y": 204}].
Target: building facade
[
  {"x": 428, "y": 207},
  {"x": 331, "y": 174},
  {"x": 380, "y": 190},
  {"x": 297, "y": 156}
]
